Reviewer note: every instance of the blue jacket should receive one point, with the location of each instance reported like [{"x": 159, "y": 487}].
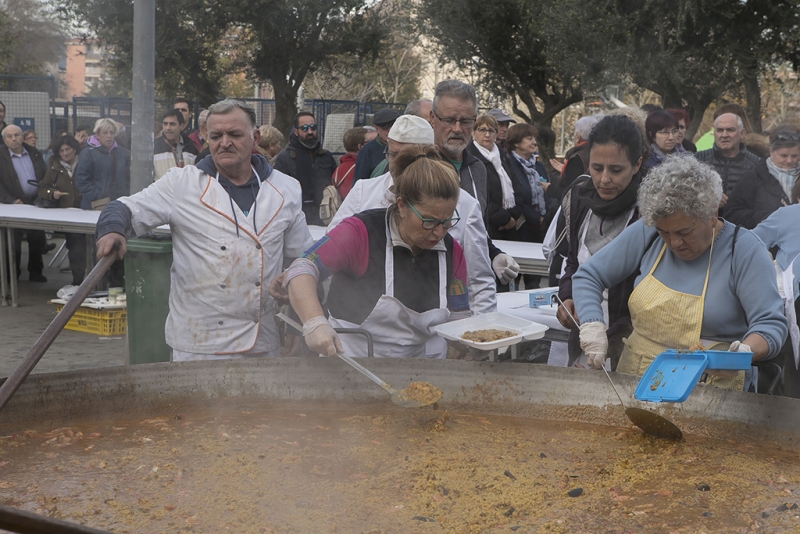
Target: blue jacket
[{"x": 96, "y": 176}]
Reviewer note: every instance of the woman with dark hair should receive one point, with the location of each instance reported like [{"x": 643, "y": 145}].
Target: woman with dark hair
[
  {"x": 683, "y": 122},
  {"x": 57, "y": 190},
  {"x": 396, "y": 271},
  {"x": 767, "y": 186},
  {"x": 503, "y": 189},
  {"x": 662, "y": 132},
  {"x": 597, "y": 208},
  {"x": 522, "y": 146}
]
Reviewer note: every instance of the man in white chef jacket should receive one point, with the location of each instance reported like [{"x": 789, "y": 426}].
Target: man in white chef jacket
[{"x": 233, "y": 220}]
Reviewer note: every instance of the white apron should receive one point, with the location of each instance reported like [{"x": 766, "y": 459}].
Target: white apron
[
  {"x": 399, "y": 332},
  {"x": 786, "y": 287}
]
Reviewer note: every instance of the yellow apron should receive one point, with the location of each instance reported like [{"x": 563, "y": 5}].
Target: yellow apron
[{"x": 666, "y": 319}]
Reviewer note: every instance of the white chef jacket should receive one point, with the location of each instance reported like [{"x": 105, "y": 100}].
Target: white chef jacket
[
  {"x": 470, "y": 232},
  {"x": 218, "y": 301}
]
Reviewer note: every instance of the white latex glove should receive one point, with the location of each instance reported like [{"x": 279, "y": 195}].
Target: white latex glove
[
  {"x": 738, "y": 346},
  {"x": 594, "y": 343},
  {"x": 505, "y": 268},
  {"x": 321, "y": 338}
]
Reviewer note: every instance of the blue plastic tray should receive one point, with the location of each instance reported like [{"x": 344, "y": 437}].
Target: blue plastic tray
[
  {"x": 671, "y": 376},
  {"x": 725, "y": 359}
]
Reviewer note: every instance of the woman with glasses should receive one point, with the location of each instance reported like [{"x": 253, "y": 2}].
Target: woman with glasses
[
  {"x": 503, "y": 190},
  {"x": 768, "y": 185},
  {"x": 683, "y": 122},
  {"x": 662, "y": 132},
  {"x": 697, "y": 278},
  {"x": 396, "y": 272}
]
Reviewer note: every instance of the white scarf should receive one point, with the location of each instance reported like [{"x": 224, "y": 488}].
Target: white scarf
[
  {"x": 505, "y": 182},
  {"x": 785, "y": 177}
]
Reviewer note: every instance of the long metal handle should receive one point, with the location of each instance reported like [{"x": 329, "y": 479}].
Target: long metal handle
[
  {"x": 357, "y": 366},
  {"x": 366, "y": 372},
  {"x": 14, "y": 520},
  {"x": 14, "y": 381},
  {"x": 603, "y": 367}
]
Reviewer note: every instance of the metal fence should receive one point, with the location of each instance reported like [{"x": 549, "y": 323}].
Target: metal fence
[
  {"x": 333, "y": 116},
  {"x": 28, "y": 103}
]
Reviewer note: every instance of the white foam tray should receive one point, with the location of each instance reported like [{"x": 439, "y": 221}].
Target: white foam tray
[{"x": 527, "y": 330}]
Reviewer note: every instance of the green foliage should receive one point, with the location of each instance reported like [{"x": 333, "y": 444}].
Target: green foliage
[
  {"x": 288, "y": 40},
  {"x": 30, "y": 37},
  {"x": 392, "y": 74},
  {"x": 540, "y": 53},
  {"x": 188, "y": 35}
]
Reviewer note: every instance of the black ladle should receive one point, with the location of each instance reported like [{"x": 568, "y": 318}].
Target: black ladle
[{"x": 650, "y": 423}]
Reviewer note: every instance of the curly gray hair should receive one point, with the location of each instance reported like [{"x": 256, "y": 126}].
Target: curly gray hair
[{"x": 680, "y": 185}]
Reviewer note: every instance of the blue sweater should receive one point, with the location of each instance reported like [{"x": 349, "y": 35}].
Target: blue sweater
[
  {"x": 95, "y": 173},
  {"x": 742, "y": 296},
  {"x": 781, "y": 230}
]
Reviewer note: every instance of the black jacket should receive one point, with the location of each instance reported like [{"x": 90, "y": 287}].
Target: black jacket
[
  {"x": 496, "y": 215},
  {"x": 10, "y": 190},
  {"x": 755, "y": 197},
  {"x": 58, "y": 179},
  {"x": 730, "y": 170},
  {"x": 532, "y": 214},
  {"x": 322, "y": 164}
]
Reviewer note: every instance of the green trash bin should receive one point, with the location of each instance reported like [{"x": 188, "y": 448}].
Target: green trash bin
[{"x": 147, "y": 265}]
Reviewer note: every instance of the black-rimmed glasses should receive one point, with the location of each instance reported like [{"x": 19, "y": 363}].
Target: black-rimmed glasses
[
  {"x": 431, "y": 224},
  {"x": 450, "y": 121}
]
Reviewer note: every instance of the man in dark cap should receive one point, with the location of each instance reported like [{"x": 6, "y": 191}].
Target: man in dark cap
[
  {"x": 373, "y": 152},
  {"x": 504, "y": 120}
]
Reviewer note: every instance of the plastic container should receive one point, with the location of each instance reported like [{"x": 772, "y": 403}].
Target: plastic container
[
  {"x": 542, "y": 297},
  {"x": 147, "y": 284},
  {"x": 523, "y": 329},
  {"x": 671, "y": 377},
  {"x": 99, "y": 322}
]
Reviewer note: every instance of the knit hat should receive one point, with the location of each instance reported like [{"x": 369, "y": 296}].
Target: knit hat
[{"x": 411, "y": 129}]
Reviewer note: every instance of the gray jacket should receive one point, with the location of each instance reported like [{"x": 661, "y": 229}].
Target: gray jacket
[{"x": 729, "y": 169}]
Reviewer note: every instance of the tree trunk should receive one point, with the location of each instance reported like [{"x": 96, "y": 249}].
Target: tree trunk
[
  {"x": 753, "y": 94},
  {"x": 285, "y": 106}
]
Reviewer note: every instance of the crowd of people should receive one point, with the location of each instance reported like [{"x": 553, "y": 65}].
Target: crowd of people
[{"x": 652, "y": 244}]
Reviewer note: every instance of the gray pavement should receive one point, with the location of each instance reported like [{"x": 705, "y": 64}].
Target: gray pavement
[{"x": 20, "y": 328}]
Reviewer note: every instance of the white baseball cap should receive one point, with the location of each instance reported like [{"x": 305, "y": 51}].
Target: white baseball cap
[{"x": 411, "y": 129}]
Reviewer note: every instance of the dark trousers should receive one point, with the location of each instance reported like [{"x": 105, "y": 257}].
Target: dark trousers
[
  {"x": 76, "y": 252},
  {"x": 36, "y": 244}
]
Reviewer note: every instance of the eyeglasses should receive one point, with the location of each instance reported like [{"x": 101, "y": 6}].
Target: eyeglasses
[
  {"x": 669, "y": 132},
  {"x": 389, "y": 155},
  {"x": 306, "y": 127},
  {"x": 450, "y": 121},
  {"x": 485, "y": 131},
  {"x": 431, "y": 224}
]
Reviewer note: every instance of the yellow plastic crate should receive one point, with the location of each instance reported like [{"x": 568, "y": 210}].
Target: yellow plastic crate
[{"x": 100, "y": 322}]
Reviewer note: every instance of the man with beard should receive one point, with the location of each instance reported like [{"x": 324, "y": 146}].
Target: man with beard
[
  {"x": 455, "y": 108},
  {"x": 453, "y": 114},
  {"x": 306, "y": 161}
]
